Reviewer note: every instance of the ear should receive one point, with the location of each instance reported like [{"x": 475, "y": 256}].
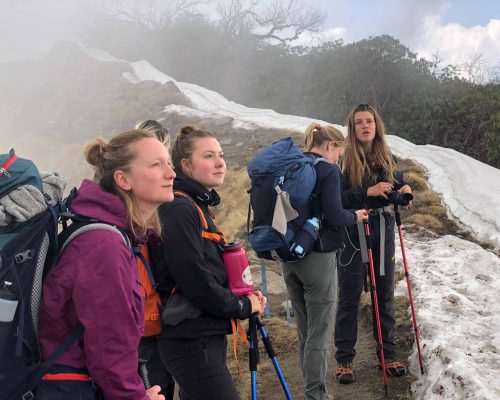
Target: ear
[
  {"x": 186, "y": 166},
  {"x": 121, "y": 179}
]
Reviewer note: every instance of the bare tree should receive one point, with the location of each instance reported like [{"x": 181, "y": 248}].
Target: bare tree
[
  {"x": 150, "y": 14},
  {"x": 281, "y": 20},
  {"x": 435, "y": 61},
  {"x": 473, "y": 68}
]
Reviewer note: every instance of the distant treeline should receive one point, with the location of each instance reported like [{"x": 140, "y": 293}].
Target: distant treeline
[{"x": 417, "y": 99}]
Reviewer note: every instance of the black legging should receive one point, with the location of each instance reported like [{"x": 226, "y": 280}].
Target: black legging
[
  {"x": 199, "y": 367},
  {"x": 351, "y": 278}
]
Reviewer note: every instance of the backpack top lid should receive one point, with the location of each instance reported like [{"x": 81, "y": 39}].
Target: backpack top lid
[
  {"x": 15, "y": 172},
  {"x": 276, "y": 159}
]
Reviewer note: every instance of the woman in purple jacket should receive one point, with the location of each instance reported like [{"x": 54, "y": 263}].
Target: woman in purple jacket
[{"x": 95, "y": 282}]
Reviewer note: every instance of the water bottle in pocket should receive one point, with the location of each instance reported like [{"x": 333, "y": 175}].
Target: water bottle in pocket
[
  {"x": 8, "y": 302},
  {"x": 303, "y": 241}
]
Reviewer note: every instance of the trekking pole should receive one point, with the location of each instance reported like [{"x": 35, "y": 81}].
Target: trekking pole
[
  {"x": 252, "y": 355},
  {"x": 408, "y": 283},
  {"x": 272, "y": 356},
  {"x": 375, "y": 301},
  {"x": 143, "y": 373}
]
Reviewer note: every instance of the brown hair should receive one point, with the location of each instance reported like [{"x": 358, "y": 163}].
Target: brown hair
[
  {"x": 184, "y": 143},
  {"x": 108, "y": 157},
  {"x": 316, "y": 135},
  {"x": 355, "y": 162},
  {"x": 156, "y": 129}
]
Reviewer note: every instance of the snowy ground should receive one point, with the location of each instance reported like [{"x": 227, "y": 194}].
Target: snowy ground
[
  {"x": 455, "y": 287},
  {"x": 456, "y": 283}
]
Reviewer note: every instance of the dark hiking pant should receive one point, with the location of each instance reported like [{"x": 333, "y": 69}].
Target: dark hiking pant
[
  {"x": 199, "y": 367},
  {"x": 67, "y": 389},
  {"x": 351, "y": 271},
  {"x": 157, "y": 373}
]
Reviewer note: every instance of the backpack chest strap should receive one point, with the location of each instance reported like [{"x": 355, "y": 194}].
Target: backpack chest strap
[{"x": 216, "y": 237}]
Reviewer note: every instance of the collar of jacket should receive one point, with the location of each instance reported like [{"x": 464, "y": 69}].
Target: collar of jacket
[{"x": 196, "y": 190}]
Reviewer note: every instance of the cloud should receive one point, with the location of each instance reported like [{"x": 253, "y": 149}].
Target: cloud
[
  {"x": 315, "y": 39},
  {"x": 455, "y": 42}
]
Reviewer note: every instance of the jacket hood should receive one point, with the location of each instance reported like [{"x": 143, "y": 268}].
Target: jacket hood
[
  {"x": 93, "y": 202},
  {"x": 196, "y": 190}
]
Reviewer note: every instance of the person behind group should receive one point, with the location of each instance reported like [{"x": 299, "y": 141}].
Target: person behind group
[
  {"x": 157, "y": 129},
  {"x": 95, "y": 282},
  {"x": 148, "y": 347},
  {"x": 194, "y": 348},
  {"x": 311, "y": 281},
  {"x": 370, "y": 172}
]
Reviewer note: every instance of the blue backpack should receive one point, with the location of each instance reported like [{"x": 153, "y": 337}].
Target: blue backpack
[
  {"x": 283, "y": 165},
  {"x": 28, "y": 250}
]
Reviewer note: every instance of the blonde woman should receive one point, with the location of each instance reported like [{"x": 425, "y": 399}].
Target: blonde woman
[
  {"x": 369, "y": 173},
  {"x": 95, "y": 282},
  {"x": 311, "y": 281}
]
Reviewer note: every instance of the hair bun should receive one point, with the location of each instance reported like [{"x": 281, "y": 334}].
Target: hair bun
[
  {"x": 188, "y": 129},
  {"x": 94, "y": 152}
]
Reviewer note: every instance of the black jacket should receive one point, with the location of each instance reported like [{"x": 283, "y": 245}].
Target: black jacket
[
  {"x": 356, "y": 198},
  {"x": 194, "y": 265},
  {"x": 334, "y": 217}
]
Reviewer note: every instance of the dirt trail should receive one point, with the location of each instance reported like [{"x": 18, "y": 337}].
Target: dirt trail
[{"x": 369, "y": 381}]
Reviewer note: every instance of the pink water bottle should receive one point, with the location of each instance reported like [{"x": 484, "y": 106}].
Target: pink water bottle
[{"x": 236, "y": 262}]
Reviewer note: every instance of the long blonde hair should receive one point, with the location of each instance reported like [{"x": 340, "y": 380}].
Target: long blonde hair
[
  {"x": 316, "y": 135},
  {"x": 108, "y": 157},
  {"x": 355, "y": 163}
]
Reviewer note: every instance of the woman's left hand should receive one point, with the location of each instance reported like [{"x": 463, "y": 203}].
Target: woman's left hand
[
  {"x": 262, "y": 299},
  {"x": 406, "y": 189}
]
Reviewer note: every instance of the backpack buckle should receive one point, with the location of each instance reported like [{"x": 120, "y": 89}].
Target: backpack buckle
[
  {"x": 24, "y": 256},
  {"x": 28, "y": 396},
  {"x": 3, "y": 171}
]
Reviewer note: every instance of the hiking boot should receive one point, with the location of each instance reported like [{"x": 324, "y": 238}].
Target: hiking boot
[
  {"x": 344, "y": 373},
  {"x": 393, "y": 368}
]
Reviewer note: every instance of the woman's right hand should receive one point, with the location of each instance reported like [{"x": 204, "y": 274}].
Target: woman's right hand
[
  {"x": 361, "y": 214},
  {"x": 257, "y": 307},
  {"x": 380, "y": 189},
  {"x": 154, "y": 393}
]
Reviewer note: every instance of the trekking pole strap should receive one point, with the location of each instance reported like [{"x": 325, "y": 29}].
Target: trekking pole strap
[{"x": 362, "y": 241}]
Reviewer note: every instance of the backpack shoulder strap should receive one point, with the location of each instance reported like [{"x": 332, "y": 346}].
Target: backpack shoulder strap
[{"x": 215, "y": 237}]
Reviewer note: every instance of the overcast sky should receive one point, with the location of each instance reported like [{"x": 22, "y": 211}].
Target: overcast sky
[{"x": 455, "y": 28}]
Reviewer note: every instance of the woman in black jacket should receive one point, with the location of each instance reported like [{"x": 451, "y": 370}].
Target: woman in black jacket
[
  {"x": 370, "y": 173},
  {"x": 193, "y": 344},
  {"x": 311, "y": 281}
]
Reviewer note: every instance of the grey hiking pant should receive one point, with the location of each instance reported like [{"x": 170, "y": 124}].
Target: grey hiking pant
[{"x": 312, "y": 287}]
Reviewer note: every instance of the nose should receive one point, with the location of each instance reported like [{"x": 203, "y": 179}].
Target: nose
[
  {"x": 169, "y": 172},
  {"x": 220, "y": 161}
]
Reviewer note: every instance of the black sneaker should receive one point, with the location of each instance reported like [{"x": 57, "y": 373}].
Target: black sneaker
[
  {"x": 344, "y": 373},
  {"x": 394, "y": 368}
]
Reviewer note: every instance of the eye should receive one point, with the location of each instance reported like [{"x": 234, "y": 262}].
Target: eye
[{"x": 156, "y": 164}]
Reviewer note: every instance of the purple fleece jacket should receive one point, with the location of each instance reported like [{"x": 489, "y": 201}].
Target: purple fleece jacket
[{"x": 95, "y": 283}]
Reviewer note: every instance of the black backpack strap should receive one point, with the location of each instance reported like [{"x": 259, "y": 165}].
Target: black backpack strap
[
  {"x": 73, "y": 231},
  {"x": 137, "y": 251},
  {"x": 44, "y": 367},
  {"x": 315, "y": 203}
]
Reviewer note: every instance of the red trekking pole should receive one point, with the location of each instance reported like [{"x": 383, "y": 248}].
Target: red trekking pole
[
  {"x": 408, "y": 283},
  {"x": 375, "y": 300}
]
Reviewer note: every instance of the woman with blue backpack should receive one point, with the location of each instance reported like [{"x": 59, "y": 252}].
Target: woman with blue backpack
[
  {"x": 193, "y": 281},
  {"x": 311, "y": 281},
  {"x": 93, "y": 288},
  {"x": 370, "y": 179}
]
